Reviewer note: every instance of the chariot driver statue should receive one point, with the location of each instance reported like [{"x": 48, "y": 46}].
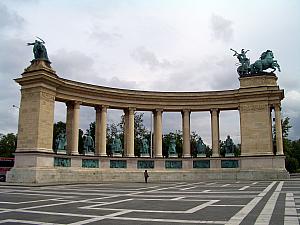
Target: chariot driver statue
[{"x": 243, "y": 69}]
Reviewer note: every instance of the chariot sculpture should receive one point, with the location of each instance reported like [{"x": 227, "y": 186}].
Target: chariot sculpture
[{"x": 266, "y": 61}]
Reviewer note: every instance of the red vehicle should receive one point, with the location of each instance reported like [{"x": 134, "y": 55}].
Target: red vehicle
[{"x": 5, "y": 165}]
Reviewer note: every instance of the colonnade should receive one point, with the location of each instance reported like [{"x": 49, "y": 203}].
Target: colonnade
[{"x": 73, "y": 110}]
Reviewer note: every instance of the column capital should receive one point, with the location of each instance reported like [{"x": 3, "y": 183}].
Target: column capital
[
  {"x": 77, "y": 104},
  {"x": 277, "y": 106},
  {"x": 214, "y": 111},
  {"x": 73, "y": 103},
  {"x": 158, "y": 110},
  {"x": 101, "y": 107},
  {"x": 131, "y": 109},
  {"x": 186, "y": 111}
]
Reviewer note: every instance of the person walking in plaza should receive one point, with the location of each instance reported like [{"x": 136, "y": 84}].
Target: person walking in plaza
[{"x": 146, "y": 175}]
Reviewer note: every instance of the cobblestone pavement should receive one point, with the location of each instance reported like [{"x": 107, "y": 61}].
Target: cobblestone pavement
[{"x": 209, "y": 202}]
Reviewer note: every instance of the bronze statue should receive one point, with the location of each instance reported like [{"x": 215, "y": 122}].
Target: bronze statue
[
  {"x": 266, "y": 61},
  {"x": 145, "y": 146},
  {"x": 39, "y": 50},
  {"x": 88, "y": 143},
  {"x": 243, "y": 69}
]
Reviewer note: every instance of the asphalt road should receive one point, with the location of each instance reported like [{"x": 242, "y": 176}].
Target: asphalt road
[{"x": 209, "y": 202}]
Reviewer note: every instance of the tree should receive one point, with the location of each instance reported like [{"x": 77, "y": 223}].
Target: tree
[
  {"x": 8, "y": 145},
  {"x": 291, "y": 149}
]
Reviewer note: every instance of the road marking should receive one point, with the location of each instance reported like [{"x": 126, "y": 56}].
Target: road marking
[
  {"x": 169, "y": 220},
  {"x": 183, "y": 189},
  {"x": 266, "y": 214},
  {"x": 178, "y": 198},
  {"x": 106, "y": 203},
  {"x": 225, "y": 185},
  {"x": 254, "y": 183},
  {"x": 27, "y": 222},
  {"x": 243, "y": 188},
  {"x": 238, "y": 217},
  {"x": 202, "y": 206},
  {"x": 25, "y": 202},
  {"x": 205, "y": 191},
  {"x": 290, "y": 212},
  {"x": 109, "y": 216}
]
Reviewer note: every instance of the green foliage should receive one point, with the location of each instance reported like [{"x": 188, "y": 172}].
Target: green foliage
[
  {"x": 286, "y": 127},
  {"x": 80, "y": 142},
  {"x": 8, "y": 145},
  {"x": 291, "y": 148},
  {"x": 291, "y": 164}
]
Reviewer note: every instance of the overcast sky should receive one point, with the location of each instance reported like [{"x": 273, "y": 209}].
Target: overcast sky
[{"x": 166, "y": 45}]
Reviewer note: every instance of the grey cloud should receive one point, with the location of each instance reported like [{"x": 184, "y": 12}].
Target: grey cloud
[
  {"x": 208, "y": 74},
  {"x": 10, "y": 19},
  {"x": 147, "y": 58},
  {"x": 221, "y": 28},
  {"x": 102, "y": 36},
  {"x": 13, "y": 56},
  {"x": 78, "y": 66},
  {"x": 74, "y": 65}
]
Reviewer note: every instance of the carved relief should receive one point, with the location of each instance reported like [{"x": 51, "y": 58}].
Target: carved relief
[
  {"x": 47, "y": 96},
  {"x": 253, "y": 108}
]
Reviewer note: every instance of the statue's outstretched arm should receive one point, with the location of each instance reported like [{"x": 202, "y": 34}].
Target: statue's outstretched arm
[
  {"x": 235, "y": 52},
  {"x": 30, "y": 43}
]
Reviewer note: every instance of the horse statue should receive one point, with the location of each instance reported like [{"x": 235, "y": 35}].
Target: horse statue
[{"x": 266, "y": 61}]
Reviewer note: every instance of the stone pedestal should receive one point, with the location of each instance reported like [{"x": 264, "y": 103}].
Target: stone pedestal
[
  {"x": 36, "y": 114},
  {"x": 255, "y": 116}
]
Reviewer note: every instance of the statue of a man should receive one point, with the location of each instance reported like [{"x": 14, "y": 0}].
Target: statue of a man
[
  {"x": 88, "y": 142},
  {"x": 145, "y": 146},
  {"x": 200, "y": 146},
  {"x": 244, "y": 61},
  {"x": 61, "y": 141},
  {"x": 229, "y": 145},
  {"x": 116, "y": 146},
  {"x": 39, "y": 50},
  {"x": 172, "y": 146}
]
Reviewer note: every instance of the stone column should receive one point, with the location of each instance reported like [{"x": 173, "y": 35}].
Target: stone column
[
  {"x": 100, "y": 131},
  {"x": 278, "y": 127},
  {"x": 102, "y": 136},
  {"x": 73, "y": 109},
  {"x": 126, "y": 121},
  {"x": 130, "y": 133},
  {"x": 186, "y": 133},
  {"x": 215, "y": 136},
  {"x": 158, "y": 133},
  {"x": 154, "y": 134}
]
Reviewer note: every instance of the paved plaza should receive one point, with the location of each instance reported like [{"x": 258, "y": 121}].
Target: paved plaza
[{"x": 209, "y": 202}]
